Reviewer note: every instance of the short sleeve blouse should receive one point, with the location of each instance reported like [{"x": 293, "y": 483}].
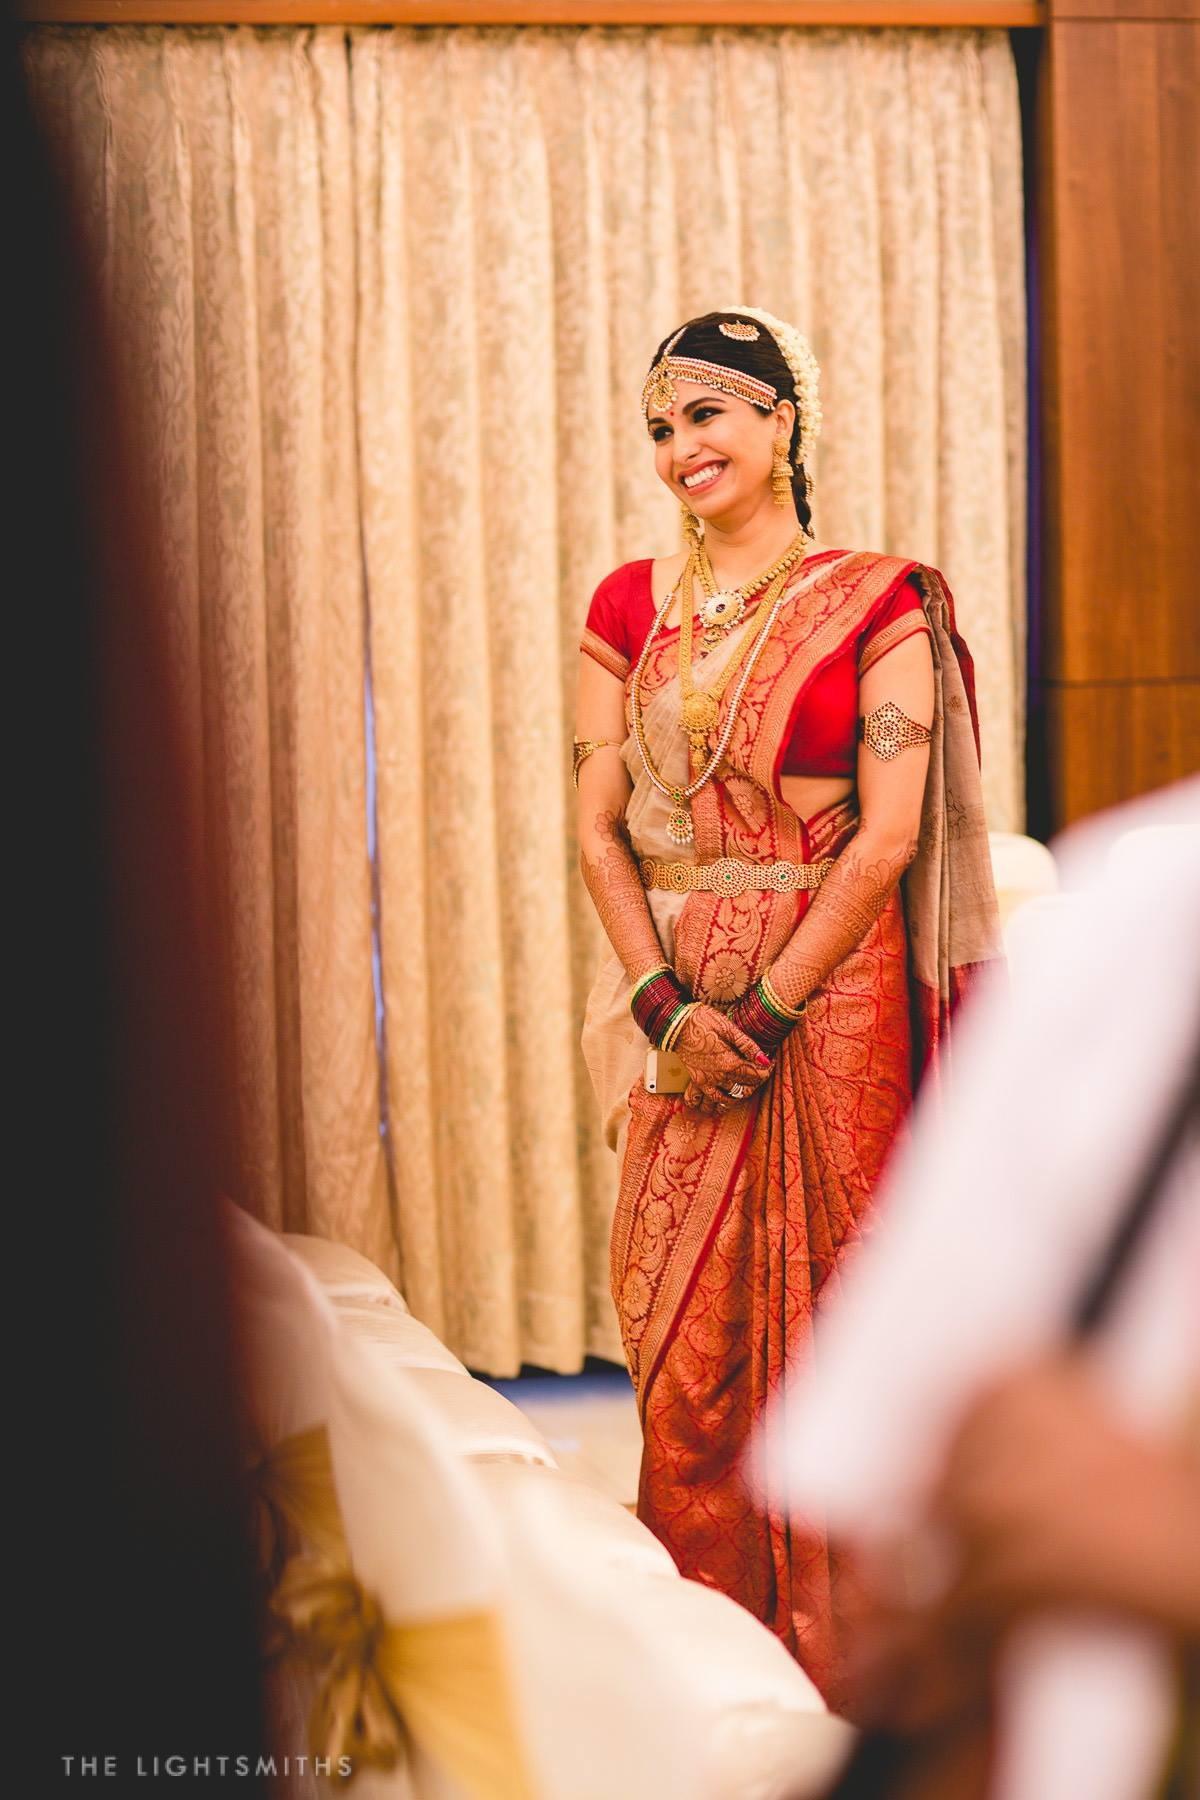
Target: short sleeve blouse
[{"x": 823, "y": 736}]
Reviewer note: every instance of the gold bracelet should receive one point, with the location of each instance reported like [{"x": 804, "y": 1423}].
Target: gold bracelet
[
  {"x": 676, "y": 1026},
  {"x": 777, "y": 1005},
  {"x": 582, "y": 748}
]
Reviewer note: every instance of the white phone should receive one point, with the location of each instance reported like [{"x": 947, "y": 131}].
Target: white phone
[{"x": 665, "y": 1073}]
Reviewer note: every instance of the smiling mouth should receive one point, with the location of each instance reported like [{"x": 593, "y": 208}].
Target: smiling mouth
[{"x": 705, "y": 477}]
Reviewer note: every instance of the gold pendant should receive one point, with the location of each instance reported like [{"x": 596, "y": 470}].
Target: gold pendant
[
  {"x": 699, "y": 712},
  {"x": 723, "y": 610},
  {"x": 679, "y": 824}
]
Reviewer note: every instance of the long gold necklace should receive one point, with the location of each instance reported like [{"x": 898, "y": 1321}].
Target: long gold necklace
[
  {"x": 680, "y": 828},
  {"x": 700, "y": 708},
  {"x": 723, "y": 608}
]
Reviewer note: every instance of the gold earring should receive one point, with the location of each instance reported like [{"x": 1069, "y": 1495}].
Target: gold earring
[
  {"x": 692, "y": 534},
  {"x": 781, "y": 474}
]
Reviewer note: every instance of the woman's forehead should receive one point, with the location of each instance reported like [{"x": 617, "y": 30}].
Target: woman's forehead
[{"x": 687, "y": 395}]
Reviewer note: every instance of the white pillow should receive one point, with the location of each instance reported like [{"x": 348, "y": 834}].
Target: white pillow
[{"x": 343, "y": 1273}]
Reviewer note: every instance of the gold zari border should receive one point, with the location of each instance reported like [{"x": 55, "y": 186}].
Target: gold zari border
[
  {"x": 593, "y": 645},
  {"x": 908, "y": 625}
]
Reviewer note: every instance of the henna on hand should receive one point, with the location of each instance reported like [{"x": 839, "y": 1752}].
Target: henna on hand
[
  {"x": 843, "y": 910},
  {"x": 718, "y": 1056},
  {"x": 610, "y": 873}
]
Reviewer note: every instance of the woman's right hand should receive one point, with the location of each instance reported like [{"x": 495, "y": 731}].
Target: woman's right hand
[{"x": 718, "y": 1057}]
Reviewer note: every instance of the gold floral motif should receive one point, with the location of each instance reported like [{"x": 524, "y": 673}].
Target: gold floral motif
[
  {"x": 699, "y": 712},
  {"x": 726, "y": 977},
  {"x": 636, "y": 1293}
]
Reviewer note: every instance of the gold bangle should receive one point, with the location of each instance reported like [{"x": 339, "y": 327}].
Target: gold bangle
[
  {"x": 677, "y": 1024},
  {"x": 771, "y": 996},
  {"x": 582, "y": 748}
]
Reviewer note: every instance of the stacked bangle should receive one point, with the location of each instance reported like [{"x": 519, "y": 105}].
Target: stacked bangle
[
  {"x": 659, "y": 1003},
  {"x": 780, "y": 1007},
  {"x": 671, "y": 1034},
  {"x": 763, "y": 1016}
]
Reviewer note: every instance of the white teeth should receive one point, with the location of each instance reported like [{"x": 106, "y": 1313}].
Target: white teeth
[{"x": 703, "y": 476}]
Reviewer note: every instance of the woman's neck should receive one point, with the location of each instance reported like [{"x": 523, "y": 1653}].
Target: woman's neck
[{"x": 739, "y": 554}]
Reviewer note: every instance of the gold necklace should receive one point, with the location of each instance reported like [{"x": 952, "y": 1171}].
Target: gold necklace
[
  {"x": 700, "y": 707},
  {"x": 723, "y": 608},
  {"x": 680, "y": 828}
]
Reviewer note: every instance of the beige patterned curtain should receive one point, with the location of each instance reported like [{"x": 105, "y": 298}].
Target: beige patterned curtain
[
  {"x": 399, "y": 290},
  {"x": 217, "y": 168}
]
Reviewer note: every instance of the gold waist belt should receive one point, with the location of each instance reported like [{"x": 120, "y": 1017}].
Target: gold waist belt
[{"x": 728, "y": 876}]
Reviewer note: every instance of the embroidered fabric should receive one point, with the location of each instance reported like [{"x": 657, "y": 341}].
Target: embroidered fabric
[{"x": 822, "y": 740}]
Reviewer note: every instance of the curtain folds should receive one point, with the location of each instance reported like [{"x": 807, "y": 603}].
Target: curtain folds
[{"x": 393, "y": 293}]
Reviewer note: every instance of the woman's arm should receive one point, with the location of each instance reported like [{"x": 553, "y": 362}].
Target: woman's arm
[
  {"x": 606, "y": 856},
  {"x": 891, "y": 790},
  {"x": 716, "y": 1053}
]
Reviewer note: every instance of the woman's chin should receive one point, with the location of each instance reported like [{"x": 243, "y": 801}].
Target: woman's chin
[{"x": 712, "y": 512}]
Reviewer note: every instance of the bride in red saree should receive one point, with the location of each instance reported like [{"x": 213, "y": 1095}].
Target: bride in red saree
[{"x": 782, "y": 829}]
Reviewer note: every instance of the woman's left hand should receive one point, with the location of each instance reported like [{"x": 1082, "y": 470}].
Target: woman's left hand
[{"x": 725, "y": 1065}]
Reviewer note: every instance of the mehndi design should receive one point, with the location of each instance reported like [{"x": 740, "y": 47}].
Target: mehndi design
[
  {"x": 613, "y": 881},
  {"x": 843, "y": 910}
]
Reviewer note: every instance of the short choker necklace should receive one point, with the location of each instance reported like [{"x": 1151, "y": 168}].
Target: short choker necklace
[{"x": 724, "y": 608}]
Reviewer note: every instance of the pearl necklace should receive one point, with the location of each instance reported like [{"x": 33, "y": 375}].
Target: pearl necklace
[{"x": 680, "y": 828}]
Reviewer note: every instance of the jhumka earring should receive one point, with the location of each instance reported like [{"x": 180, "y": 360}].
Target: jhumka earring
[
  {"x": 692, "y": 535},
  {"x": 781, "y": 474}
]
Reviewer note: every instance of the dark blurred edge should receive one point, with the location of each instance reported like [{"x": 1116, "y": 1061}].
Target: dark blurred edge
[{"x": 135, "y": 1629}]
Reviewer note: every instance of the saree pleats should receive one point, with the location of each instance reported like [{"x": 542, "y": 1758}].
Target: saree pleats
[{"x": 818, "y": 1140}]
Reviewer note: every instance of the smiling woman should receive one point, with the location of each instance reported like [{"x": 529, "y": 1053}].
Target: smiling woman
[{"x": 782, "y": 830}]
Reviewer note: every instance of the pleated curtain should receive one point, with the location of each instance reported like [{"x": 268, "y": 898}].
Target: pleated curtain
[{"x": 390, "y": 296}]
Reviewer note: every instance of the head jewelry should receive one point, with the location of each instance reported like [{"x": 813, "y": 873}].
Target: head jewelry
[{"x": 659, "y": 388}]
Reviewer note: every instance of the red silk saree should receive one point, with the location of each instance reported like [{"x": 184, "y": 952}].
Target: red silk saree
[{"x": 728, "y": 1229}]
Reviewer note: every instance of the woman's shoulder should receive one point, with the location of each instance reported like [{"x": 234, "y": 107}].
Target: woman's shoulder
[
  {"x": 896, "y": 610},
  {"x": 884, "y": 562},
  {"x": 626, "y": 578},
  {"x": 898, "y": 581},
  {"x": 615, "y": 613}
]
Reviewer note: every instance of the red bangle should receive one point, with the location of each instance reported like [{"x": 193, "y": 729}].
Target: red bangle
[
  {"x": 753, "y": 1016},
  {"x": 656, "y": 1004}
]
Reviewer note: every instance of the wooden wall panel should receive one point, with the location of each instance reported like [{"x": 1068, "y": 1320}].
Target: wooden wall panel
[
  {"x": 1125, "y": 211},
  {"x": 1127, "y": 9},
  {"x": 1109, "y": 741},
  {"x": 975, "y": 14},
  {"x": 1119, "y": 220}
]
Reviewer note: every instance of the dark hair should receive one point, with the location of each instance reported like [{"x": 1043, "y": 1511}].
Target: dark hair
[{"x": 761, "y": 356}]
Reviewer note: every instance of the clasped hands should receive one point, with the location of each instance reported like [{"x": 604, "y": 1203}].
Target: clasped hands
[{"x": 726, "y": 1067}]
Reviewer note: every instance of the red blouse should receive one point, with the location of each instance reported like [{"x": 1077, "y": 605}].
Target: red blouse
[{"x": 824, "y": 736}]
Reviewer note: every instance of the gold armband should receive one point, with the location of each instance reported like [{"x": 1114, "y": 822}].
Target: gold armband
[
  {"x": 887, "y": 731},
  {"x": 582, "y": 749}
]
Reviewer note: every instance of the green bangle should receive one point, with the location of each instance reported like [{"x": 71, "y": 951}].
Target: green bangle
[{"x": 787, "y": 1015}]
